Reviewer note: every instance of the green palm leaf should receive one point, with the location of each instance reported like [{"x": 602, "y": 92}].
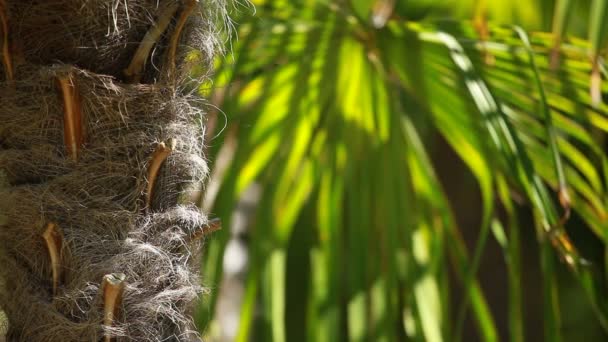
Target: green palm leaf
[{"x": 336, "y": 119}]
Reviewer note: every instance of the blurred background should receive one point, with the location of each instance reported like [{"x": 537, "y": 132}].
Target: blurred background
[{"x": 392, "y": 170}]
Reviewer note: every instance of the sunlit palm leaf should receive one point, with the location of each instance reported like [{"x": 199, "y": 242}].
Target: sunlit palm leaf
[{"x": 333, "y": 112}]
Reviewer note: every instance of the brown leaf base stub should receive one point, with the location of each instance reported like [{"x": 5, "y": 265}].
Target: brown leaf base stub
[
  {"x": 7, "y": 58},
  {"x": 112, "y": 287},
  {"x": 73, "y": 135},
  {"x": 161, "y": 153},
  {"x": 54, "y": 243}
]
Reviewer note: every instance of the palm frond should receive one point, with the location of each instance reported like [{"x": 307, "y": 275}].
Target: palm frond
[{"x": 337, "y": 120}]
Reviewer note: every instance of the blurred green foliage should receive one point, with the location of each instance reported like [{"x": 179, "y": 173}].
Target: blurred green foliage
[{"x": 348, "y": 115}]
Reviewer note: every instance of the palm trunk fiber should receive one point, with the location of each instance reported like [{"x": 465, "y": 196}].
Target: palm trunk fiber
[{"x": 100, "y": 157}]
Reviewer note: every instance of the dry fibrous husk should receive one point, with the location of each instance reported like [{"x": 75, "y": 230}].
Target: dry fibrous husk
[
  {"x": 103, "y": 35},
  {"x": 114, "y": 111},
  {"x": 78, "y": 137}
]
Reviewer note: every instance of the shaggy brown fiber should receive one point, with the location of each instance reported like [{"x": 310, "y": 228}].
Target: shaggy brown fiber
[
  {"x": 101, "y": 146},
  {"x": 102, "y": 36}
]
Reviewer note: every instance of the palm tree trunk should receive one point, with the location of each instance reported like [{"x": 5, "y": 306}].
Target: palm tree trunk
[{"x": 100, "y": 153}]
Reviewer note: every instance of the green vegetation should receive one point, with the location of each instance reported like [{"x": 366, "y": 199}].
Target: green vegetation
[{"x": 398, "y": 146}]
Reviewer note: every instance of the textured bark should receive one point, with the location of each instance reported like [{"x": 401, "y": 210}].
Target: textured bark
[{"x": 101, "y": 151}]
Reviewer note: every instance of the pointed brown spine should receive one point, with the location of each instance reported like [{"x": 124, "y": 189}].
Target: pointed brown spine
[{"x": 212, "y": 226}]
